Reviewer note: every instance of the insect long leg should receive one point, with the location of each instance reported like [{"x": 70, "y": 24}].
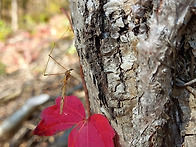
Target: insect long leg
[
  {"x": 57, "y": 62},
  {"x": 50, "y": 56},
  {"x": 46, "y": 74},
  {"x": 47, "y": 63}
]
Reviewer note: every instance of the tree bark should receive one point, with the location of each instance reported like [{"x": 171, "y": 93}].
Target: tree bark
[{"x": 129, "y": 52}]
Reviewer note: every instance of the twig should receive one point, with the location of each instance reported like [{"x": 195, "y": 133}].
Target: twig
[
  {"x": 182, "y": 84},
  {"x": 86, "y": 93},
  {"x": 19, "y": 116},
  {"x": 66, "y": 14},
  {"x": 187, "y": 85},
  {"x": 191, "y": 90},
  {"x": 81, "y": 73}
]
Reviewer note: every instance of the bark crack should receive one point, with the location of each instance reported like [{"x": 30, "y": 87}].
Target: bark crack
[{"x": 122, "y": 72}]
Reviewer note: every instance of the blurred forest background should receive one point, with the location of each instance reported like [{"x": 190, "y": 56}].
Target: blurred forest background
[{"x": 28, "y": 30}]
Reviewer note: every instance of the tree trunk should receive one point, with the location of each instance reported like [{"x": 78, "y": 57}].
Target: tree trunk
[
  {"x": 14, "y": 15},
  {"x": 130, "y": 52}
]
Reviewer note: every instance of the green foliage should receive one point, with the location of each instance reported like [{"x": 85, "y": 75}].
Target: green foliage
[
  {"x": 43, "y": 18},
  {"x": 2, "y": 69},
  {"x": 53, "y": 7},
  {"x": 71, "y": 50},
  {"x": 29, "y": 21},
  {"x": 31, "y": 12},
  {"x": 5, "y": 30}
]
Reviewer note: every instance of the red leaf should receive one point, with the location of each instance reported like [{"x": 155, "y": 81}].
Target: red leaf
[
  {"x": 53, "y": 122},
  {"x": 96, "y": 132}
]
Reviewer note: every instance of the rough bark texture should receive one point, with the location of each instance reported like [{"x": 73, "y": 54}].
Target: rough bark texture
[{"x": 130, "y": 52}]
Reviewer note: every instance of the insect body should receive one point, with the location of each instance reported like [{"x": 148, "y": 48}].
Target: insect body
[{"x": 65, "y": 79}]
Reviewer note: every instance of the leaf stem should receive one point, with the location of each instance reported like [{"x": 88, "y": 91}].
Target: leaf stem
[{"x": 86, "y": 93}]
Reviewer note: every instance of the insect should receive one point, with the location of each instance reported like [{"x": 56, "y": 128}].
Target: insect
[
  {"x": 67, "y": 76},
  {"x": 67, "y": 73}
]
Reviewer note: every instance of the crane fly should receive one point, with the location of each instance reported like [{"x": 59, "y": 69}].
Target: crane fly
[
  {"x": 67, "y": 76},
  {"x": 67, "y": 73}
]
